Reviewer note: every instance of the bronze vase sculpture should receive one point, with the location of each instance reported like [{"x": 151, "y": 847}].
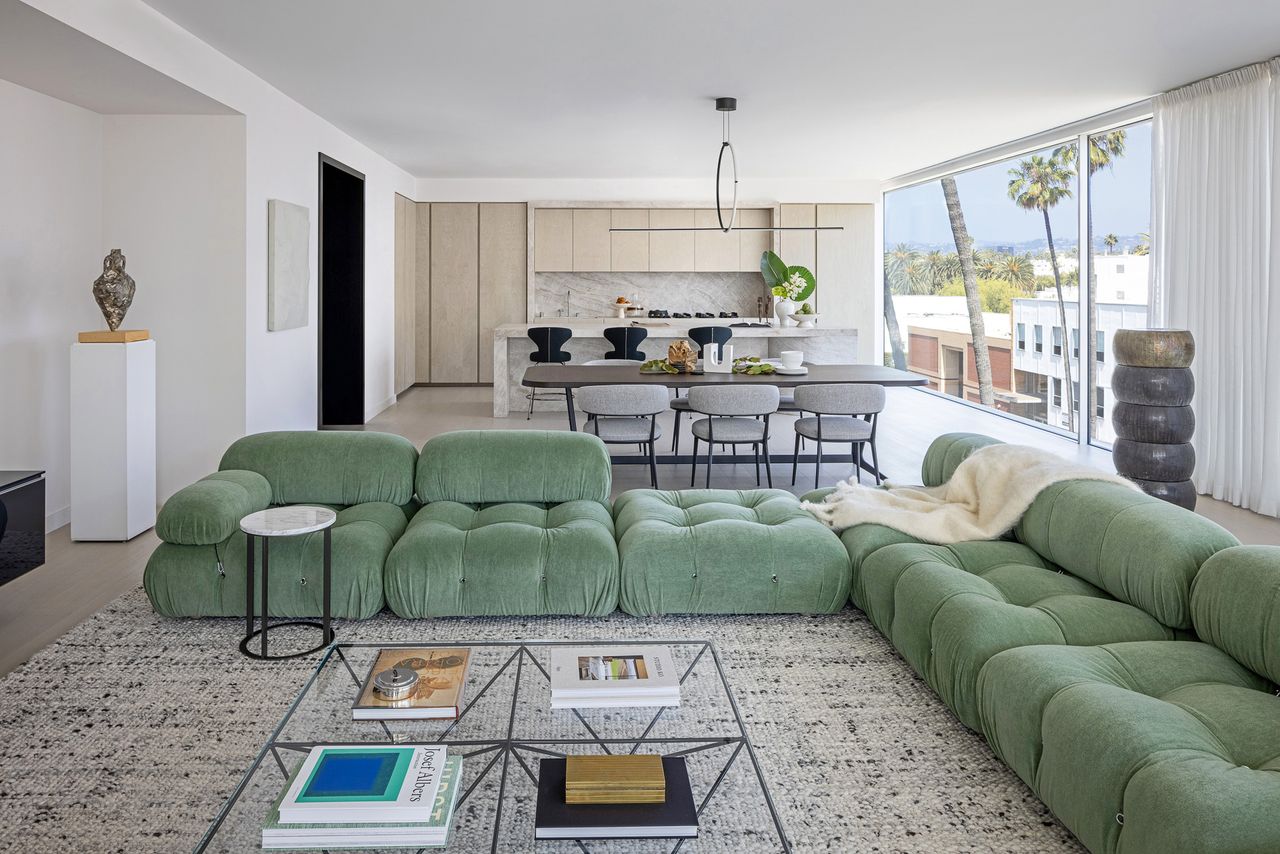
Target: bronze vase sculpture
[
  {"x": 114, "y": 289},
  {"x": 1153, "y": 420}
]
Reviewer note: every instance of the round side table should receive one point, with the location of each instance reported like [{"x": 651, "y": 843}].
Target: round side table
[{"x": 283, "y": 522}]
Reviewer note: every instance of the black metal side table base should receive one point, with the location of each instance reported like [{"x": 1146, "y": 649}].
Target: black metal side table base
[{"x": 244, "y": 644}]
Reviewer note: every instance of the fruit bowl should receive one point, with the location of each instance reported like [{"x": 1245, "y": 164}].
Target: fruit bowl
[{"x": 805, "y": 321}]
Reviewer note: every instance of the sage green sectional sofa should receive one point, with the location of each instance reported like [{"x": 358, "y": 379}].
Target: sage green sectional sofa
[
  {"x": 1121, "y": 654},
  {"x": 199, "y": 568},
  {"x": 513, "y": 522}
]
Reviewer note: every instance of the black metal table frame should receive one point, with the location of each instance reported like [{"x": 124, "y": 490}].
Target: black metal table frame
[
  {"x": 506, "y": 748},
  {"x": 326, "y": 629}
]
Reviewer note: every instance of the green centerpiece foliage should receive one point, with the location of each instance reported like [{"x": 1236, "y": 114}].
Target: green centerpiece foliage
[{"x": 793, "y": 283}]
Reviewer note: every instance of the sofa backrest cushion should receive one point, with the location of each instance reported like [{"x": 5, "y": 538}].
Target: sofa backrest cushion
[
  {"x": 1235, "y": 605},
  {"x": 948, "y": 451},
  {"x": 495, "y": 466},
  {"x": 328, "y": 466},
  {"x": 209, "y": 510},
  {"x": 1141, "y": 550}
]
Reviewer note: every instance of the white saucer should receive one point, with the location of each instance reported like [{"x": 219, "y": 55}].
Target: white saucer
[{"x": 790, "y": 372}]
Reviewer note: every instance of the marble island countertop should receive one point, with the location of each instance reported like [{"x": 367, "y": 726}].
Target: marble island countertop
[{"x": 676, "y": 327}]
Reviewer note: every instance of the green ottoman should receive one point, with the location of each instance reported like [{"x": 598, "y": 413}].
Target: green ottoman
[{"x": 723, "y": 551}]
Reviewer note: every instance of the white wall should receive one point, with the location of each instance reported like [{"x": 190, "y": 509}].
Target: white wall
[
  {"x": 282, "y": 140},
  {"x": 173, "y": 201},
  {"x": 50, "y": 239}
]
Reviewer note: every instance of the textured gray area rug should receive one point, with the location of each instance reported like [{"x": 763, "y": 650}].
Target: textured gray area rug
[{"x": 129, "y": 732}]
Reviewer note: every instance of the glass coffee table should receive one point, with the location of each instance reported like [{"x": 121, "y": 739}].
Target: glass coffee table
[{"x": 505, "y": 726}]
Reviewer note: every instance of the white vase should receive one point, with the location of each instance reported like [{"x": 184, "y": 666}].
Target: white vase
[{"x": 784, "y": 308}]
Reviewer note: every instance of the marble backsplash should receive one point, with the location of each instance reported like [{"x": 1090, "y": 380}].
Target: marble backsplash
[{"x": 593, "y": 294}]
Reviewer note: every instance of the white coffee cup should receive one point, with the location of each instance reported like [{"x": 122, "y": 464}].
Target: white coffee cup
[{"x": 791, "y": 358}]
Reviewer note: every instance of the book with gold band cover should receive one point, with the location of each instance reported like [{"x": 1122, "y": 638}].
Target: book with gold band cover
[{"x": 413, "y": 683}]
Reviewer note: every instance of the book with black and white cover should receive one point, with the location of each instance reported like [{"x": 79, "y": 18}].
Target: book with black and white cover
[
  {"x": 555, "y": 819},
  {"x": 429, "y": 834},
  {"x": 583, "y": 677},
  {"x": 365, "y": 783}
]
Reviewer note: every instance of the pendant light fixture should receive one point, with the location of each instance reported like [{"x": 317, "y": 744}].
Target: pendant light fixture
[{"x": 726, "y": 106}]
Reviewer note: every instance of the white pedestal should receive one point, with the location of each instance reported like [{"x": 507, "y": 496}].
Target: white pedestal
[{"x": 113, "y": 440}]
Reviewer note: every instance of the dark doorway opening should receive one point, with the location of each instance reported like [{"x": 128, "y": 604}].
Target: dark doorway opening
[{"x": 341, "y": 321}]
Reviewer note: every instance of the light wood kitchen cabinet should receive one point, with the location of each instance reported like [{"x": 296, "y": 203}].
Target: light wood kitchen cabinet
[
  {"x": 455, "y": 273},
  {"x": 503, "y": 271},
  {"x": 553, "y": 240},
  {"x": 629, "y": 252},
  {"x": 591, "y": 245},
  {"x": 671, "y": 251},
  {"x": 405, "y": 366},
  {"x": 847, "y": 289},
  {"x": 422, "y": 294},
  {"x": 799, "y": 248},
  {"x": 753, "y": 243},
  {"x": 714, "y": 251}
]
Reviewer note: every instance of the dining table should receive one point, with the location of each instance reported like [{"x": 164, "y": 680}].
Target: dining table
[{"x": 568, "y": 377}]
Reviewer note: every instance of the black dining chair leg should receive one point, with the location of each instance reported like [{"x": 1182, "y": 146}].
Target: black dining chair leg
[
  {"x": 693, "y": 465},
  {"x": 857, "y": 460},
  {"x": 675, "y": 434},
  {"x": 768, "y": 465},
  {"x": 795, "y": 460},
  {"x": 875, "y": 462},
  {"x": 653, "y": 465},
  {"x": 710, "y": 454},
  {"x": 817, "y": 465},
  {"x": 756, "y": 449},
  {"x": 532, "y": 396}
]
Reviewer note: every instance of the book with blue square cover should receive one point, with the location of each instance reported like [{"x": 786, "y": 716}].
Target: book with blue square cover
[{"x": 365, "y": 783}]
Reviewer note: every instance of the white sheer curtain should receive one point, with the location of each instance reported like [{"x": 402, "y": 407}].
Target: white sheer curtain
[{"x": 1216, "y": 270}]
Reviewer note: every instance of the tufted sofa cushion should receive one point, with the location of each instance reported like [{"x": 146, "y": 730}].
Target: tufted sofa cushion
[
  {"x": 948, "y": 609},
  {"x": 1141, "y": 748},
  {"x": 208, "y": 580},
  {"x": 726, "y": 551},
  {"x": 505, "y": 559},
  {"x": 209, "y": 510},
  {"x": 1140, "y": 549},
  {"x": 1235, "y": 605},
  {"x": 489, "y": 466}
]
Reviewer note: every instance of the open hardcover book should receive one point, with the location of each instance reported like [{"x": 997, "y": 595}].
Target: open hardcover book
[{"x": 442, "y": 677}]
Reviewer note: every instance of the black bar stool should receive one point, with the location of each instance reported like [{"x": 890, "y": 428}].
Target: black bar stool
[
  {"x": 702, "y": 336},
  {"x": 625, "y": 340},
  {"x": 550, "y": 341}
]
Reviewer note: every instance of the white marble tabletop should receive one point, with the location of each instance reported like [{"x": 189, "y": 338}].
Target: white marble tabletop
[{"x": 288, "y": 521}]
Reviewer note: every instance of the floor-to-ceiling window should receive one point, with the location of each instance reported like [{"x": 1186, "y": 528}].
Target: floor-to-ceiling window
[{"x": 983, "y": 291}]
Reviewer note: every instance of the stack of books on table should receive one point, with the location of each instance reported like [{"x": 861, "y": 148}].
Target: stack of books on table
[
  {"x": 367, "y": 796},
  {"x": 614, "y": 786},
  {"x": 413, "y": 683},
  {"x": 601, "y": 677}
]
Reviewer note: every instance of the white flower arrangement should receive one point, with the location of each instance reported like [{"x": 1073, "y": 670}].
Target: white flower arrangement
[{"x": 791, "y": 288}]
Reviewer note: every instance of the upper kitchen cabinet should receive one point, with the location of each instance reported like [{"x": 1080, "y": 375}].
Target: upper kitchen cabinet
[
  {"x": 753, "y": 243},
  {"x": 799, "y": 248},
  {"x": 714, "y": 251},
  {"x": 630, "y": 251},
  {"x": 671, "y": 251},
  {"x": 553, "y": 240},
  {"x": 591, "y": 244}
]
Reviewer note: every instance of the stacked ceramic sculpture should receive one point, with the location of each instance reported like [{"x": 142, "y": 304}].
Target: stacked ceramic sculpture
[{"x": 1152, "y": 417}]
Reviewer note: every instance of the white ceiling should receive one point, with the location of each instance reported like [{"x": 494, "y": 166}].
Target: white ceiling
[
  {"x": 41, "y": 53},
  {"x": 829, "y": 89}
]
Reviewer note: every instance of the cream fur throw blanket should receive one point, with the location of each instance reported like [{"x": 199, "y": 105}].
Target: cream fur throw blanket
[{"x": 985, "y": 497}]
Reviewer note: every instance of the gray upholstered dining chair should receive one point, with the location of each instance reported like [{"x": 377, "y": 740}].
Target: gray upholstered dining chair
[
  {"x": 736, "y": 415},
  {"x": 625, "y": 415},
  {"x": 844, "y": 413}
]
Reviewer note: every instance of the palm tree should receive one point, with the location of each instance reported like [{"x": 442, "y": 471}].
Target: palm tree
[
  {"x": 1104, "y": 150},
  {"x": 964, "y": 254},
  {"x": 1018, "y": 271},
  {"x": 939, "y": 268},
  {"x": 1039, "y": 184},
  {"x": 1110, "y": 242},
  {"x": 987, "y": 263},
  {"x": 898, "y": 264}
]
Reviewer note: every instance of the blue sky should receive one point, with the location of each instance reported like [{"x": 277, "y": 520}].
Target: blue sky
[{"x": 1121, "y": 203}]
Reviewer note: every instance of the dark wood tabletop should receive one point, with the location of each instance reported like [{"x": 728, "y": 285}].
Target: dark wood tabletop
[{"x": 576, "y": 376}]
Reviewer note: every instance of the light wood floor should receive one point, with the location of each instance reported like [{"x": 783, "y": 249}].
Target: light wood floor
[{"x": 79, "y": 578}]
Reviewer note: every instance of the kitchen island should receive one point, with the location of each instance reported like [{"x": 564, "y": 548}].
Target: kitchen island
[{"x": 511, "y": 348}]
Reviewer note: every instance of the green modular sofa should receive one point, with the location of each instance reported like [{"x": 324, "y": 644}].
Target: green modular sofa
[
  {"x": 513, "y": 522},
  {"x": 198, "y": 569}
]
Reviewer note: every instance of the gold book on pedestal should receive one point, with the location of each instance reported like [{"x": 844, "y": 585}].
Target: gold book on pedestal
[{"x": 630, "y": 779}]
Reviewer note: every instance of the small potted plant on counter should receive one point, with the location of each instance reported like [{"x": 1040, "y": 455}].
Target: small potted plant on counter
[{"x": 789, "y": 286}]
